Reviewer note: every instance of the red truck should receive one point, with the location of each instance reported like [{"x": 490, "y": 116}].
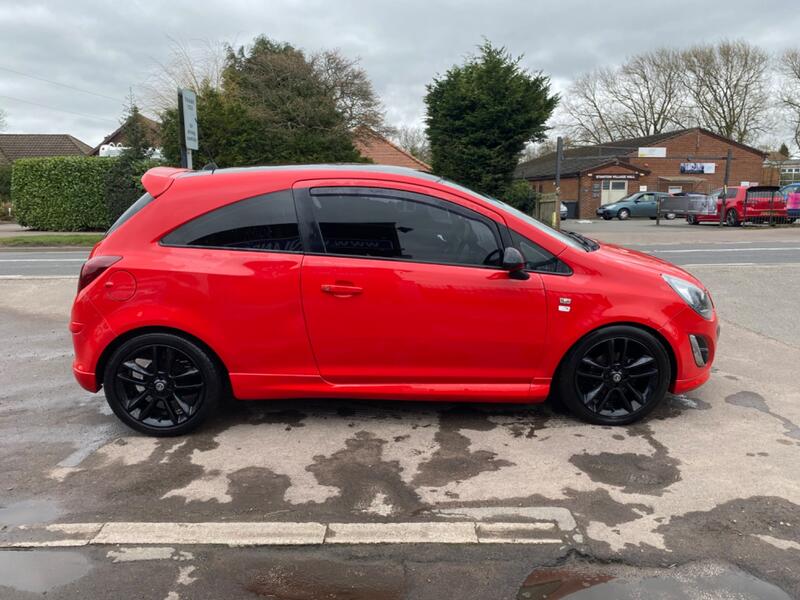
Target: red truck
[{"x": 754, "y": 204}]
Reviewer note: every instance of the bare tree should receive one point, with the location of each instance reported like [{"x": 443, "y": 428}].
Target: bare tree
[
  {"x": 352, "y": 90},
  {"x": 729, "y": 88},
  {"x": 2, "y": 119},
  {"x": 190, "y": 65},
  {"x": 790, "y": 90},
  {"x": 414, "y": 141},
  {"x": 639, "y": 98},
  {"x": 591, "y": 115}
]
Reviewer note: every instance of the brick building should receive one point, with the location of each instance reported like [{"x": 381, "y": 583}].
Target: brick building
[
  {"x": 687, "y": 160},
  {"x": 381, "y": 151}
]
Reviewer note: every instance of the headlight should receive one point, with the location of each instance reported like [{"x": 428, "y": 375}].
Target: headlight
[{"x": 695, "y": 297}]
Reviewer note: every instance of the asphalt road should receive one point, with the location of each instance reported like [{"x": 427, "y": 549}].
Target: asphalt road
[{"x": 37, "y": 263}]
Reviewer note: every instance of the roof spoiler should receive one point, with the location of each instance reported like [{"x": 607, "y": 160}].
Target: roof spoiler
[{"x": 157, "y": 180}]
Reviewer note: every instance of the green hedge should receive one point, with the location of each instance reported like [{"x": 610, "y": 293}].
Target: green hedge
[
  {"x": 71, "y": 193},
  {"x": 64, "y": 193}
]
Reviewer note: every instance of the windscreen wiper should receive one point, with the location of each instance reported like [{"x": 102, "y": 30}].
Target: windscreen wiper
[{"x": 587, "y": 243}]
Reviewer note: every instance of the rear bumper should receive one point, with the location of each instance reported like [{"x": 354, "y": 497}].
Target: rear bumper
[
  {"x": 688, "y": 374},
  {"x": 90, "y": 336}
]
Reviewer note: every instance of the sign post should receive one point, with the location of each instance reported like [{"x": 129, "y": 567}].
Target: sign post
[{"x": 187, "y": 112}]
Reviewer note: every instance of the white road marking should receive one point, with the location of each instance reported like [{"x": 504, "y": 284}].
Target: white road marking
[
  {"x": 237, "y": 534},
  {"x": 34, "y": 260},
  {"x": 693, "y": 250},
  {"x": 38, "y": 276}
]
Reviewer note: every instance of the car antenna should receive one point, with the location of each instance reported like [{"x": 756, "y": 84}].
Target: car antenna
[{"x": 212, "y": 166}]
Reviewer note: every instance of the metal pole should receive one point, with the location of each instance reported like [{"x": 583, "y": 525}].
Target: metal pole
[
  {"x": 724, "y": 202},
  {"x": 658, "y": 209},
  {"x": 559, "y": 157},
  {"x": 186, "y": 154}
]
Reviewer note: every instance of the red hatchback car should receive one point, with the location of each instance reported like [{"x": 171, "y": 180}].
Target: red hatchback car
[
  {"x": 754, "y": 204},
  {"x": 372, "y": 282}
]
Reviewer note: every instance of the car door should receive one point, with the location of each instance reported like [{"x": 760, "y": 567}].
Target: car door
[
  {"x": 646, "y": 207},
  {"x": 405, "y": 286}
]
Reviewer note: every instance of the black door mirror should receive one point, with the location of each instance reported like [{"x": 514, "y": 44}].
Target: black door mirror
[{"x": 514, "y": 263}]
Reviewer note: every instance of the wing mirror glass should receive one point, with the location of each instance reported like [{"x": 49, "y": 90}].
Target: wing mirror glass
[{"x": 514, "y": 263}]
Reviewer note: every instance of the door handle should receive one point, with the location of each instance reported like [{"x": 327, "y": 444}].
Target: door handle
[{"x": 341, "y": 290}]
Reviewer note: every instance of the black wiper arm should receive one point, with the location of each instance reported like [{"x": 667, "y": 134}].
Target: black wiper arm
[{"x": 585, "y": 242}]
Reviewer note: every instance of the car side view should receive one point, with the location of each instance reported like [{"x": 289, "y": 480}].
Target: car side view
[
  {"x": 640, "y": 204},
  {"x": 372, "y": 282}
]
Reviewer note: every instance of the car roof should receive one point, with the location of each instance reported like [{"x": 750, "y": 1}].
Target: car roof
[{"x": 158, "y": 179}]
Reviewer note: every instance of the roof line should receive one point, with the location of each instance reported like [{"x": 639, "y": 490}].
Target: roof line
[{"x": 374, "y": 133}]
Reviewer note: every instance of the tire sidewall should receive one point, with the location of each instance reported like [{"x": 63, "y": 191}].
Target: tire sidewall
[
  {"x": 624, "y": 214},
  {"x": 567, "y": 386},
  {"x": 211, "y": 376}
]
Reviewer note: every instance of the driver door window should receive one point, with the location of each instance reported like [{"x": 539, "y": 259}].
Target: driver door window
[{"x": 382, "y": 225}]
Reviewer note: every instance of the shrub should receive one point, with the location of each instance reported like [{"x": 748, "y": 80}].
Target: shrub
[
  {"x": 63, "y": 193},
  {"x": 5, "y": 183},
  {"x": 521, "y": 196},
  {"x": 73, "y": 193}
]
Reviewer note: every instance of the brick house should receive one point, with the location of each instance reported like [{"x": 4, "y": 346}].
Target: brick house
[
  {"x": 35, "y": 145},
  {"x": 383, "y": 152},
  {"x": 687, "y": 160},
  {"x": 152, "y": 132}
]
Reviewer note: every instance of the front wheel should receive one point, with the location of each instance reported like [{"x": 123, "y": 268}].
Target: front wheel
[
  {"x": 161, "y": 384},
  {"x": 732, "y": 218},
  {"x": 623, "y": 214},
  {"x": 615, "y": 376}
]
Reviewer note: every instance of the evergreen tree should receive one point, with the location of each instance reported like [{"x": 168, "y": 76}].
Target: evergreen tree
[{"x": 480, "y": 116}]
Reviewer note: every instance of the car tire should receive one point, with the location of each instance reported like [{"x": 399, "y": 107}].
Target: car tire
[
  {"x": 692, "y": 220},
  {"x": 628, "y": 388},
  {"x": 624, "y": 214},
  {"x": 732, "y": 218},
  {"x": 671, "y": 216},
  {"x": 607, "y": 217},
  {"x": 162, "y": 384}
]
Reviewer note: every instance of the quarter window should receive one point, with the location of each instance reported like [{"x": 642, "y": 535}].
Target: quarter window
[
  {"x": 267, "y": 222},
  {"x": 386, "y": 226},
  {"x": 536, "y": 257}
]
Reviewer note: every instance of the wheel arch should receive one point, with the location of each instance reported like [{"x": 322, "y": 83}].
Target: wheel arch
[
  {"x": 132, "y": 333},
  {"x": 673, "y": 362}
]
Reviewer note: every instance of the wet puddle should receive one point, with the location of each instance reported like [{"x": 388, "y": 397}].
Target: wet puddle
[
  {"x": 41, "y": 571},
  {"x": 684, "y": 583},
  {"x": 28, "y": 512}
]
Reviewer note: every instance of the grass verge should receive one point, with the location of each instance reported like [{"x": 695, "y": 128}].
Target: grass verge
[{"x": 34, "y": 241}]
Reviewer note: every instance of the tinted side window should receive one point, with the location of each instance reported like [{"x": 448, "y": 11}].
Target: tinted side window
[
  {"x": 536, "y": 257},
  {"x": 267, "y": 222},
  {"x": 391, "y": 227}
]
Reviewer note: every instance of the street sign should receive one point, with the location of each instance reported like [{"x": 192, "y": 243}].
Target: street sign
[
  {"x": 652, "y": 152},
  {"x": 189, "y": 106}
]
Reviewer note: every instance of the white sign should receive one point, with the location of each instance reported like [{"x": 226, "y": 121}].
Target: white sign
[
  {"x": 189, "y": 104},
  {"x": 675, "y": 189},
  {"x": 642, "y": 188},
  {"x": 651, "y": 152},
  {"x": 698, "y": 168}
]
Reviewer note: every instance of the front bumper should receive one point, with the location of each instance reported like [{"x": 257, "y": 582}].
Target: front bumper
[{"x": 688, "y": 373}]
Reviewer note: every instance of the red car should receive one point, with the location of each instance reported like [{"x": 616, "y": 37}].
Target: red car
[
  {"x": 754, "y": 204},
  {"x": 372, "y": 282}
]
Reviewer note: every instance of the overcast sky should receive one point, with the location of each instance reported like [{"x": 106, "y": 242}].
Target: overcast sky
[{"x": 109, "y": 47}]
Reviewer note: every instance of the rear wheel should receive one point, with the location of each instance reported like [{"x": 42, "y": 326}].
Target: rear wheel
[
  {"x": 732, "y": 218},
  {"x": 161, "y": 384},
  {"x": 623, "y": 214},
  {"x": 615, "y": 376},
  {"x": 671, "y": 216}
]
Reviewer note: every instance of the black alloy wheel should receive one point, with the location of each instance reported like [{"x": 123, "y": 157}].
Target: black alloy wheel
[
  {"x": 615, "y": 376},
  {"x": 161, "y": 384},
  {"x": 732, "y": 218}
]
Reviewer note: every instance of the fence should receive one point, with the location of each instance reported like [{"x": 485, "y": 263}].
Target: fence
[{"x": 547, "y": 209}]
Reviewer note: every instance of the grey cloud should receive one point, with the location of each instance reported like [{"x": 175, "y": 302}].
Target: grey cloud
[{"x": 111, "y": 47}]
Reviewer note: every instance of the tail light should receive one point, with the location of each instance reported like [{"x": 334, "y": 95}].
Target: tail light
[{"x": 93, "y": 268}]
